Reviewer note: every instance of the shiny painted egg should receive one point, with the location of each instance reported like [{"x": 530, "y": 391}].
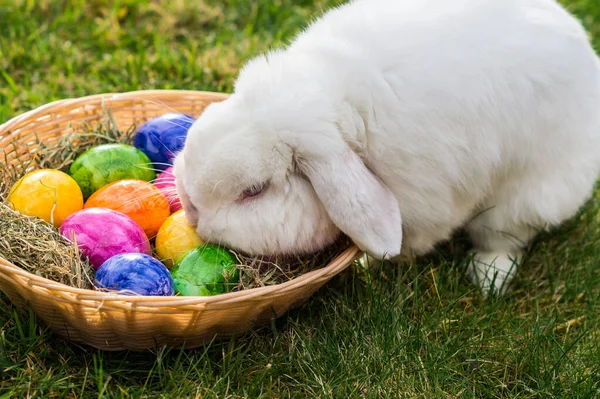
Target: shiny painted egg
[
  {"x": 49, "y": 194},
  {"x": 204, "y": 271},
  {"x": 175, "y": 238},
  {"x": 106, "y": 163},
  {"x": 103, "y": 233},
  {"x": 161, "y": 138},
  {"x": 134, "y": 273},
  {"x": 166, "y": 183},
  {"x": 138, "y": 199}
]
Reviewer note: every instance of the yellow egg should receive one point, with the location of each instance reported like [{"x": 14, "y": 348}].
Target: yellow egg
[
  {"x": 48, "y": 194},
  {"x": 175, "y": 238}
]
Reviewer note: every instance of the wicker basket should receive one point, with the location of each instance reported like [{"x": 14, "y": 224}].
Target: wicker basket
[{"x": 116, "y": 322}]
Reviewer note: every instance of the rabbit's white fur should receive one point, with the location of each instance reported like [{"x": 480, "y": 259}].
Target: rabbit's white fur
[{"x": 399, "y": 121}]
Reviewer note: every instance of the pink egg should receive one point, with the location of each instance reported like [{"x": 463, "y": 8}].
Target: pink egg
[
  {"x": 101, "y": 233},
  {"x": 166, "y": 184}
]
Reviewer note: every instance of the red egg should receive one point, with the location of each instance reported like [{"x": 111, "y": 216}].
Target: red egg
[{"x": 166, "y": 184}]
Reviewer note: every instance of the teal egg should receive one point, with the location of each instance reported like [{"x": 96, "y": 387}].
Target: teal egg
[
  {"x": 204, "y": 271},
  {"x": 106, "y": 163}
]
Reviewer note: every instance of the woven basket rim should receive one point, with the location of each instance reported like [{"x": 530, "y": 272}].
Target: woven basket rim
[
  {"x": 340, "y": 261},
  {"x": 43, "y": 109}
]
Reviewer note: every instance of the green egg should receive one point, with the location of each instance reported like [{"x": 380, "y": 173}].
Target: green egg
[
  {"x": 106, "y": 163},
  {"x": 204, "y": 271}
]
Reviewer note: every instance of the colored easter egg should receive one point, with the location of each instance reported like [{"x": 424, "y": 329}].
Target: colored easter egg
[
  {"x": 138, "y": 199},
  {"x": 166, "y": 183},
  {"x": 107, "y": 163},
  {"x": 175, "y": 238},
  {"x": 49, "y": 194},
  {"x": 103, "y": 233},
  {"x": 161, "y": 138},
  {"x": 134, "y": 273},
  {"x": 204, "y": 271}
]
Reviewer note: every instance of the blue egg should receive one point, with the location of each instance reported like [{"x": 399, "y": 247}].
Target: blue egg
[
  {"x": 161, "y": 138},
  {"x": 136, "y": 272}
]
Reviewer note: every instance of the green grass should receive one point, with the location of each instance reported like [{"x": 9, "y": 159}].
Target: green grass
[{"x": 418, "y": 331}]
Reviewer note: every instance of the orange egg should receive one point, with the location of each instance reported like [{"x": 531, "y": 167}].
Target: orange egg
[
  {"x": 138, "y": 199},
  {"x": 49, "y": 194}
]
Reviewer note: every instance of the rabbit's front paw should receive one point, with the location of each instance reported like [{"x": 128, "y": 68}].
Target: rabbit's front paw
[{"x": 492, "y": 272}]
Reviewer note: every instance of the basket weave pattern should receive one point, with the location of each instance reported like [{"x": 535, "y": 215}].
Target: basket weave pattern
[{"x": 116, "y": 322}]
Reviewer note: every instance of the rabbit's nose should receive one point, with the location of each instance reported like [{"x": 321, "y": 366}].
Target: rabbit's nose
[{"x": 191, "y": 212}]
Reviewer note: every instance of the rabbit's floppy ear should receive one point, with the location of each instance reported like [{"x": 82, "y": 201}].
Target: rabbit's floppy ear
[{"x": 359, "y": 204}]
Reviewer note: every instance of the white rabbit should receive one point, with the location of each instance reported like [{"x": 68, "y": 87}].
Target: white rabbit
[{"x": 397, "y": 122}]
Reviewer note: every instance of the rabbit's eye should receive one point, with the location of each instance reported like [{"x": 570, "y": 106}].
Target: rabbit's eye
[{"x": 254, "y": 190}]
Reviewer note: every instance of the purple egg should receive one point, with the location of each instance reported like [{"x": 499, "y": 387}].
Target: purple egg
[
  {"x": 135, "y": 273},
  {"x": 166, "y": 184},
  {"x": 103, "y": 233},
  {"x": 161, "y": 138}
]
